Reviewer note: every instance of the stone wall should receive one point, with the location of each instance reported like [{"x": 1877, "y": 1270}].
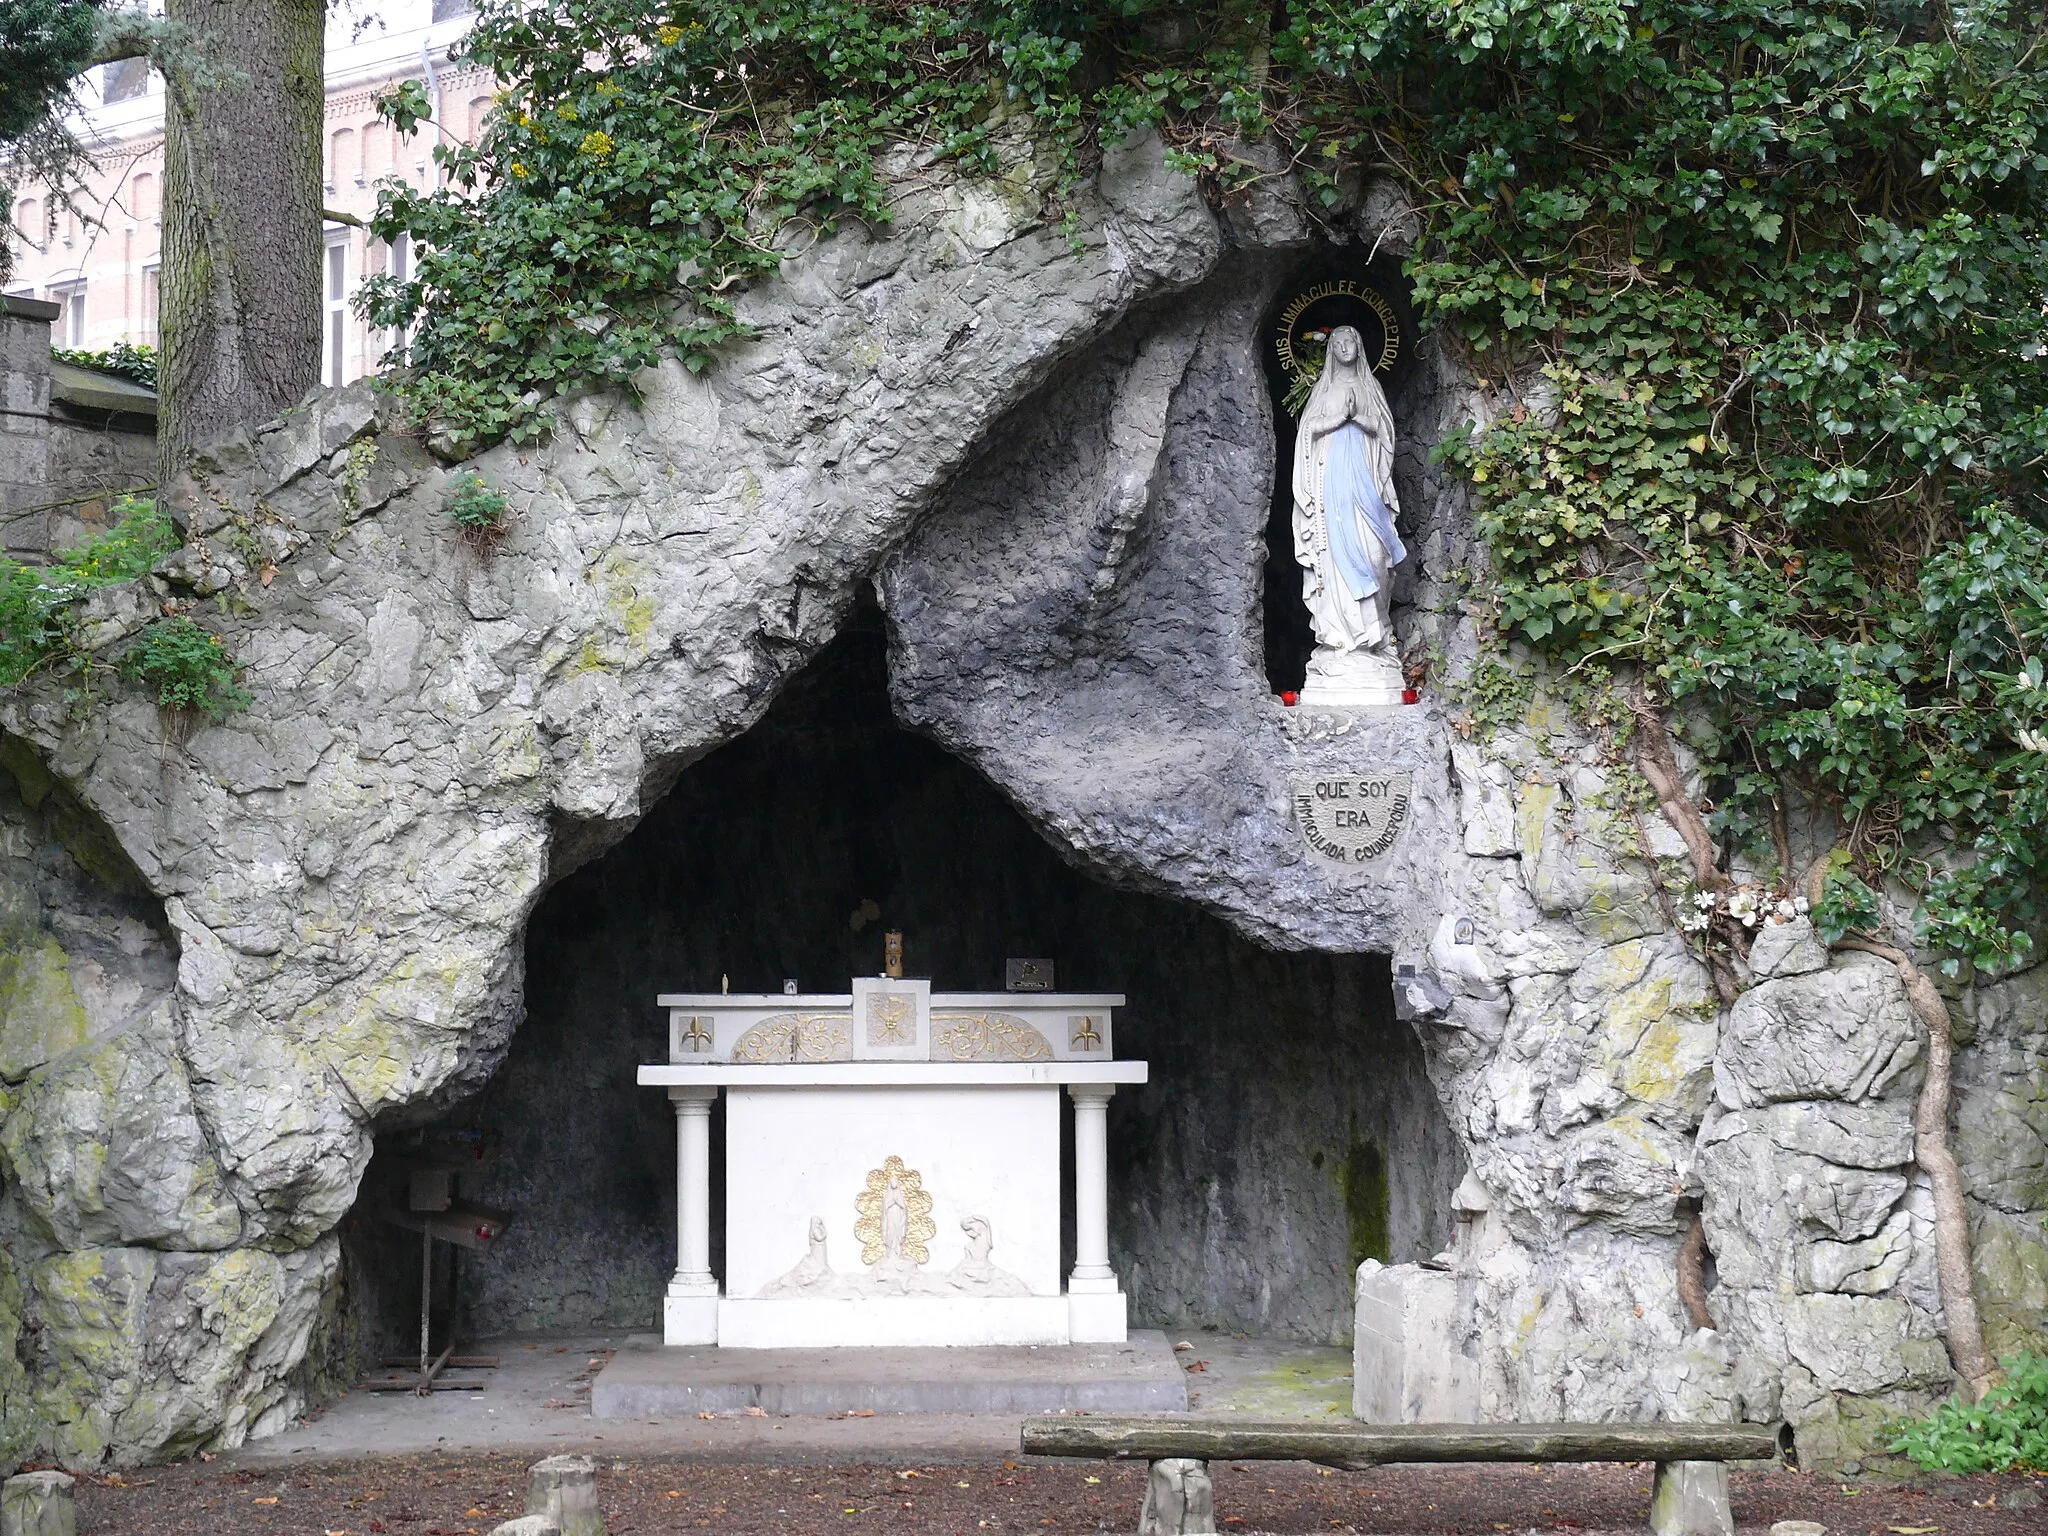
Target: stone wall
[
  {"x": 71, "y": 441},
  {"x": 1053, "y": 460},
  {"x": 24, "y": 418}
]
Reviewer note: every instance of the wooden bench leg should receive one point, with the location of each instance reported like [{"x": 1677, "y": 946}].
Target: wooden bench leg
[
  {"x": 1179, "y": 1499},
  {"x": 1690, "y": 1498}
]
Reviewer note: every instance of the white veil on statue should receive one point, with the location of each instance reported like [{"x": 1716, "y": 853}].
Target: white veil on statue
[{"x": 1344, "y": 509}]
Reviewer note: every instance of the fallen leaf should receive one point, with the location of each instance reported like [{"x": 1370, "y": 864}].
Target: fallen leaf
[
  {"x": 860, "y": 1413},
  {"x": 472, "y": 1513},
  {"x": 706, "y": 1413},
  {"x": 1198, "y": 1365},
  {"x": 1183, "y": 1344},
  {"x": 271, "y": 1500},
  {"x": 756, "y": 1411},
  {"x": 673, "y": 1493},
  {"x": 1085, "y": 1480}
]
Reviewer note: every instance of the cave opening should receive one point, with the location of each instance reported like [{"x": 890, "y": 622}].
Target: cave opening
[{"x": 1288, "y": 1130}]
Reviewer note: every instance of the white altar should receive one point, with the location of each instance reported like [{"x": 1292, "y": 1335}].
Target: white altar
[{"x": 892, "y": 1166}]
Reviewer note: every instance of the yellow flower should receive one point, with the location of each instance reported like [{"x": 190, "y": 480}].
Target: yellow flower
[
  {"x": 596, "y": 145},
  {"x": 670, "y": 35},
  {"x": 519, "y": 169},
  {"x": 566, "y": 111}
]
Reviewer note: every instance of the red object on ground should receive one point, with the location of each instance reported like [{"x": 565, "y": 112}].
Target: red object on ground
[
  {"x": 1290, "y": 698},
  {"x": 1411, "y": 696}
]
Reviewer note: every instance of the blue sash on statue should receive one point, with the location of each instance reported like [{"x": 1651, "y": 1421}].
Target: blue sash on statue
[{"x": 1349, "y": 499}]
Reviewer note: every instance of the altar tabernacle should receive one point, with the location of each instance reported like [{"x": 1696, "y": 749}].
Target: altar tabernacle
[{"x": 892, "y": 1166}]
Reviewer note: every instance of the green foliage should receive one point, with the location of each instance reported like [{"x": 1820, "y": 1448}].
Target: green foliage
[
  {"x": 1847, "y": 906},
  {"x": 1494, "y": 695},
  {"x": 1781, "y": 266},
  {"x": 188, "y": 667},
  {"x": 129, "y": 362},
  {"x": 355, "y": 470},
  {"x": 38, "y": 603},
  {"x": 474, "y": 507},
  {"x": 43, "y": 43},
  {"x": 1777, "y": 265},
  {"x": 2006, "y": 1432}
]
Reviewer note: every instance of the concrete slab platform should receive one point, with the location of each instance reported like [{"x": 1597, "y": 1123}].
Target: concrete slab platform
[
  {"x": 537, "y": 1403},
  {"x": 646, "y": 1380}
]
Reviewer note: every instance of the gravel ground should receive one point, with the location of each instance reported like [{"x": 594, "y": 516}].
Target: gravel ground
[{"x": 466, "y": 1495}]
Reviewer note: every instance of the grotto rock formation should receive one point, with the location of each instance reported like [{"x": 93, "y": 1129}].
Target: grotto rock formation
[{"x": 1057, "y": 479}]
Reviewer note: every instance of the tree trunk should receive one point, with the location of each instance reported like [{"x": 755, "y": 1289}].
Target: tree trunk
[
  {"x": 1931, "y": 1149},
  {"x": 241, "y": 304}
]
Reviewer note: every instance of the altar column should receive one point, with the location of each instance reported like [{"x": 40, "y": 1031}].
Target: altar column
[
  {"x": 1096, "y": 1307},
  {"x": 690, "y": 1314}
]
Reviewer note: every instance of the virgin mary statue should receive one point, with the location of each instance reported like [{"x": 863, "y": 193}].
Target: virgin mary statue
[{"x": 1344, "y": 534}]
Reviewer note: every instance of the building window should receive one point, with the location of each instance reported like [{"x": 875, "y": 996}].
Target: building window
[
  {"x": 150, "y": 293},
  {"x": 448, "y": 10},
  {"x": 69, "y": 331},
  {"x": 398, "y": 266},
  {"x": 335, "y": 343},
  {"x": 124, "y": 80}
]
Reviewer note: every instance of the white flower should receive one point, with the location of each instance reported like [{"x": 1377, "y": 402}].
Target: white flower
[
  {"x": 2022, "y": 681},
  {"x": 1692, "y": 922},
  {"x": 1704, "y": 900},
  {"x": 1786, "y": 910},
  {"x": 1801, "y": 904}
]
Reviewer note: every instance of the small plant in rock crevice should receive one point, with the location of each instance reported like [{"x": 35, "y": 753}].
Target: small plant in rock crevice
[
  {"x": 188, "y": 667},
  {"x": 476, "y": 510},
  {"x": 39, "y": 603}
]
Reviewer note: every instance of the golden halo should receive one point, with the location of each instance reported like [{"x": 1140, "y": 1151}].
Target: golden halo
[{"x": 1285, "y": 331}]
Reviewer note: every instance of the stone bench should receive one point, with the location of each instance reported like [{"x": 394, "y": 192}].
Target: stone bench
[{"x": 1688, "y": 1498}]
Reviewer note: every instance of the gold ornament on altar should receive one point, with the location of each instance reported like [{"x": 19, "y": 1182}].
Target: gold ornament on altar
[
  {"x": 895, "y": 1216},
  {"x": 892, "y": 1018}
]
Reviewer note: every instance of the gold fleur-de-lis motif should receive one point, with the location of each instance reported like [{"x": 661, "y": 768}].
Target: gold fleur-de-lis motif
[
  {"x": 1081, "y": 1035},
  {"x": 698, "y": 1039}
]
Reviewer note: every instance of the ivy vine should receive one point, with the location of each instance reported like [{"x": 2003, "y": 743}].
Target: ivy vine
[{"x": 1763, "y": 281}]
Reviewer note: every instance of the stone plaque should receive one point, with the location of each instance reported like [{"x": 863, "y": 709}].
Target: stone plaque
[
  {"x": 1349, "y": 818},
  {"x": 1027, "y": 975}
]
